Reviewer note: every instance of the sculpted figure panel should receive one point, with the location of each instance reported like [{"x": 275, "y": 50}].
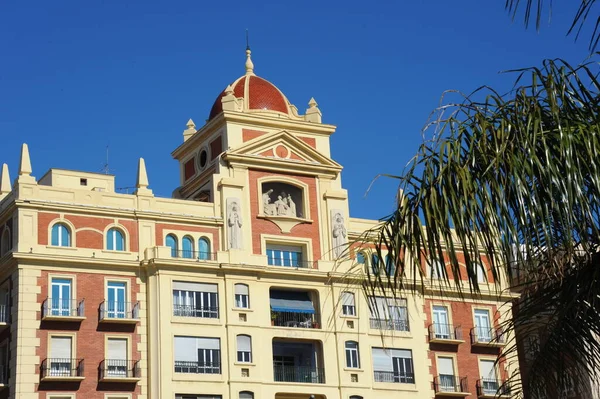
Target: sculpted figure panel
[
  {"x": 339, "y": 234},
  {"x": 234, "y": 224}
]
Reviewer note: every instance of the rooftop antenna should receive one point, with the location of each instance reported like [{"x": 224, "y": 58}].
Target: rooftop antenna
[{"x": 105, "y": 169}]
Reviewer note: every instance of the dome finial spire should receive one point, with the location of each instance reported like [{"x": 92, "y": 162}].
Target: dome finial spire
[{"x": 249, "y": 64}]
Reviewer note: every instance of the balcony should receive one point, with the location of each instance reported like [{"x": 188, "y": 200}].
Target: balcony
[
  {"x": 445, "y": 334},
  {"x": 197, "y": 367},
  {"x": 491, "y": 388},
  {"x": 119, "y": 312},
  {"x": 63, "y": 309},
  {"x": 307, "y": 375},
  {"x": 295, "y": 320},
  {"x": 207, "y": 312},
  {"x": 389, "y": 324},
  {"x": 393, "y": 377},
  {"x": 298, "y": 361},
  {"x": 488, "y": 337},
  {"x": 194, "y": 255},
  {"x": 116, "y": 370},
  {"x": 450, "y": 385},
  {"x": 54, "y": 369}
]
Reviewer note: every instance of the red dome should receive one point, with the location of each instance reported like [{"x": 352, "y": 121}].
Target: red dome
[{"x": 258, "y": 94}]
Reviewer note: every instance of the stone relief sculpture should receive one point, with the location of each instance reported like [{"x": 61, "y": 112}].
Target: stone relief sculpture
[
  {"x": 283, "y": 206},
  {"x": 234, "y": 224},
  {"x": 338, "y": 232}
]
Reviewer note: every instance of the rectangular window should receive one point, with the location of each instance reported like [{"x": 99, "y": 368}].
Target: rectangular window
[
  {"x": 283, "y": 255},
  {"x": 441, "y": 323},
  {"x": 483, "y": 327},
  {"x": 447, "y": 380},
  {"x": 242, "y": 298},
  {"x": 348, "y": 307},
  {"x": 61, "y": 359},
  {"x": 393, "y": 365},
  {"x": 195, "y": 300},
  {"x": 352, "y": 357},
  {"x": 116, "y": 363},
  {"x": 60, "y": 300},
  {"x": 489, "y": 383},
  {"x": 187, "y": 396},
  {"x": 116, "y": 304},
  {"x": 197, "y": 355},
  {"x": 244, "y": 349},
  {"x": 389, "y": 314}
]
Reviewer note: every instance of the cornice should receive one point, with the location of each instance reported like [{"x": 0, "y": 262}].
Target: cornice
[{"x": 292, "y": 167}]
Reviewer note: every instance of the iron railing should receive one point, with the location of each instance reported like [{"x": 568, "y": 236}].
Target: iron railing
[
  {"x": 310, "y": 375},
  {"x": 3, "y": 314},
  {"x": 439, "y": 331},
  {"x": 492, "y": 387},
  {"x": 449, "y": 383},
  {"x": 302, "y": 264},
  {"x": 119, "y": 368},
  {"x": 207, "y": 312},
  {"x": 392, "y": 376},
  {"x": 119, "y": 310},
  {"x": 62, "y": 368},
  {"x": 390, "y": 324},
  {"x": 54, "y": 307},
  {"x": 194, "y": 255},
  {"x": 197, "y": 367},
  {"x": 487, "y": 335},
  {"x": 296, "y": 320}
]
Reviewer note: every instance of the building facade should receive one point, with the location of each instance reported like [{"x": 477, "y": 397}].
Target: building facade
[{"x": 244, "y": 284}]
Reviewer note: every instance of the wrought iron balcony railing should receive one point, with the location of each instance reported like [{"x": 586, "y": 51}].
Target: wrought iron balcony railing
[
  {"x": 301, "y": 264},
  {"x": 197, "y": 367},
  {"x": 487, "y": 387},
  {"x": 194, "y": 255},
  {"x": 309, "y": 375},
  {"x": 487, "y": 336},
  {"x": 62, "y": 308},
  {"x": 59, "y": 368},
  {"x": 447, "y": 383},
  {"x": 389, "y": 324},
  {"x": 444, "y": 332},
  {"x": 120, "y": 370},
  {"x": 392, "y": 376},
  {"x": 119, "y": 312},
  {"x": 207, "y": 312},
  {"x": 296, "y": 320}
]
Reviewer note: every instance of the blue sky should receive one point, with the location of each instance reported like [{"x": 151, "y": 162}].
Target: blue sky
[{"x": 77, "y": 76}]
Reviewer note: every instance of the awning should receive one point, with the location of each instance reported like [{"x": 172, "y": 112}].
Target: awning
[{"x": 291, "y": 301}]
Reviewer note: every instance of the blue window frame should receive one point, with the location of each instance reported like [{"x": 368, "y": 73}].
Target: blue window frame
[
  {"x": 187, "y": 246},
  {"x": 204, "y": 249},
  {"x": 61, "y": 235},
  {"x": 375, "y": 264},
  {"x": 360, "y": 258},
  {"x": 172, "y": 242},
  {"x": 116, "y": 299},
  {"x": 390, "y": 267},
  {"x": 291, "y": 257},
  {"x": 61, "y": 297},
  {"x": 115, "y": 240}
]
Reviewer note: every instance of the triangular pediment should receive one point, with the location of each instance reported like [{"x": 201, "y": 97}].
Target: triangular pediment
[{"x": 283, "y": 147}]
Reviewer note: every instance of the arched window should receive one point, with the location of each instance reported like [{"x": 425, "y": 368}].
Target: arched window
[
  {"x": 5, "y": 245},
  {"x": 61, "y": 235},
  {"x": 204, "y": 249},
  {"x": 115, "y": 240},
  {"x": 352, "y": 357},
  {"x": 187, "y": 246},
  {"x": 360, "y": 258},
  {"x": 348, "y": 306},
  {"x": 244, "y": 349},
  {"x": 172, "y": 242},
  {"x": 375, "y": 264},
  {"x": 247, "y": 395},
  {"x": 390, "y": 267},
  {"x": 436, "y": 269},
  {"x": 480, "y": 273},
  {"x": 356, "y": 397},
  {"x": 242, "y": 297}
]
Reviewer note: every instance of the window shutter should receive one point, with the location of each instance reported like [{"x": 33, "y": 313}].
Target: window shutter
[
  {"x": 445, "y": 365},
  {"x": 208, "y": 343},
  {"x": 244, "y": 343},
  {"x": 403, "y": 353},
  {"x": 61, "y": 348},
  {"x": 241, "y": 289},
  {"x": 194, "y": 287},
  {"x": 486, "y": 368},
  {"x": 246, "y": 395},
  {"x": 117, "y": 349},
  {"x": 347, "y": 298},
  {"x": 185, "y": 349},
  {"x": 382, "y": 360}
]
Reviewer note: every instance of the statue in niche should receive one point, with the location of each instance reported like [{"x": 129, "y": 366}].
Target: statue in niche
[
  {"x": 268, "y": 208},
  {"x": 291, "y": 206},
  {"x": 234, "y": 222},
  {"x": 281, "y": 206},
  {"x": 338, "y": 232}
]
